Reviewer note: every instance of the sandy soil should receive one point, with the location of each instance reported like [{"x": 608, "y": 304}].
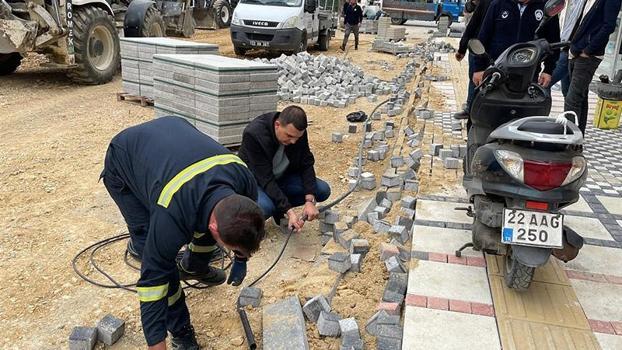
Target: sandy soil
[{"x": 53, "y": 137}]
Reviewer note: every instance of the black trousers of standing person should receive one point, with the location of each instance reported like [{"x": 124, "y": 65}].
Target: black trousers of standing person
[
  {"x": 354, "y": 28},
  {"x": 580, "y": 70}
]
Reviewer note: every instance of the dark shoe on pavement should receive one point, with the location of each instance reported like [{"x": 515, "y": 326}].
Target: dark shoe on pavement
[
  {"x": 356, "y": 47},
  {"x": 461, "y": 115},
  {"x": 186, "y": 340},
  {"x": 207, "y": 275},
  {"x": 342, "y": 48},
  {"x": 131, "y": 251}
]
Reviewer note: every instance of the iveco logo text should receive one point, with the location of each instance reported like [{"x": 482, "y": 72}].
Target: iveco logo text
[{"x": 260, "y": 23}]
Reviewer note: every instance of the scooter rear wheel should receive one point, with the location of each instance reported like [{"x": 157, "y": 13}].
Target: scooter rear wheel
[{"x": 517, "y": 275}]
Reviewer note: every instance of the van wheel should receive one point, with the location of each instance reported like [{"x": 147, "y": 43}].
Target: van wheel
[
  {"x": 396, "y": 21},
  {"x": 517, "y": 275},
  {"x": 9, "y": 63},
  {"x": 324, "y": 42}
]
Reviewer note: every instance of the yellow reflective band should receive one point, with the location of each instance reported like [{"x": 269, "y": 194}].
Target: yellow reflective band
[
  {"x": 173, "y": 298},
  {"x": 201, "y": 248},
  {"x": 148, "y": 294},
  {"x": 190, "y": 172},
  {"x": 198, "y": 234}
]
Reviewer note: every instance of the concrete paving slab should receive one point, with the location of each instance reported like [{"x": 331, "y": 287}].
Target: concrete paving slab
[
  {"x": 450, "y": 281},
  {"x": 597, "y": 260},
  {"x": 441, "y": 240},
  {"x": 608, "y": 341},
  {"x": 612, "y": 204},
  {"x": 284, "y": 326},
  {"x": 600, "y": 301},
  {"x": 581, "y": 205},
  {"x": 446, "y": 330},
  {"x": 524, "y": 335},
  {"x": 441, "y": 211},
  {"x": 587, "y": 227}
]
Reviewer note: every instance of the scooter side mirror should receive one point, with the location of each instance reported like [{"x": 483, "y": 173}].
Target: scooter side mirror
[
  {"x": 553, "y": 7},
  {"x": 476, "y": 47}
]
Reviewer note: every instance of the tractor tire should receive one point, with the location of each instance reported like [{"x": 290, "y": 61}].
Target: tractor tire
[
  {"x": 239, "y": 51},
  {"x": 323, "y": 42},
  {"x": 9, "y": 63},
  {"x": 396, "y": 21},
  {"x": 222, "y": 13},
  {"x": 153, "y": 24},
  {"x": 96, "y": 45},
  {"x": 517, "y": 275}
]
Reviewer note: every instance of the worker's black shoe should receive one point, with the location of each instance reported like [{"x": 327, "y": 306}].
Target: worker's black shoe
[
  {"x": 356, "y": 47},
  {"x": 185, "y": 340},
  {"x": 461, "y": 115},
  {"x": 343, "y": 48},
  {"x": 200, "y": 271},
  {"x": 131, "y": 251}
]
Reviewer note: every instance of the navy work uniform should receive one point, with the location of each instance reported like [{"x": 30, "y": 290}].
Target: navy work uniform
[
  {"x": 166, "y": 177},
  {"x": 508, "y": 22}
]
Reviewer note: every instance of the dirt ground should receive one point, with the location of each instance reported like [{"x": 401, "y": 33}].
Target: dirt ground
[{"x": 52, "y": 142}]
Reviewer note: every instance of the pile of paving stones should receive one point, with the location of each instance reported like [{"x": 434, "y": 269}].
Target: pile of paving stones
[
  {"x": 323, "y": 80},
  {"x": 368, "y": 26},
  {"x": 384, "y": 23},
  {"x": 219, "y": 95},
  {"x": 108, "y": 330},
  {"x": 137, "y": 60}
]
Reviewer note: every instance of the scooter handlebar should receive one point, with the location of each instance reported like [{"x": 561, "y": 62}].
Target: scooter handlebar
[{"x": 559, "y": 45}]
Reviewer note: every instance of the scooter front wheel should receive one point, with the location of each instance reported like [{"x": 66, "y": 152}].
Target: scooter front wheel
[{"x": 517, "y": 275}]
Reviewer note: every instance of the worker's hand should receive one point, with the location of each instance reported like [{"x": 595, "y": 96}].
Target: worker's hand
[
  {"x": 477, "y": 77},
  {"x": 293, "y": 221},
  {"x": 238, "y": 271},
  {"x": 544, "y": 80},
  {"x": 459, "y": 56},
  {"x": 159, "y": 346},
  {"x": 310, "y": 211}
]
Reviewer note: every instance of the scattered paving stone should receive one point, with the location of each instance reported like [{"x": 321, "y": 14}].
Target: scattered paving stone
[
  {"x": 397, "y": 161},
  {"x": 331, "y": 217},
  {"x": 314, "y": 307},
  {"x": 83, "y": 338},
  {"x": 404, "y": 221},
  {"x": 394, "y": 194},
  {"x": 445, "y": 153},
  {"x": 463, "y": 150},
  {"x": 400, "y": 233},
  {"x": 110, "y": 329},
  {"x": 393, "y": 264},
  {"x": 408, "y": 202},
  {"x": 349, "y": 329},
  {"x": 352, "y": 345},
  {"x": 416, "y": 154},
  {"x": 409, "y": 213},
  {"x": 391, "y": 180},
  {"x": 328, "y": 324},
  {"x": 359, "y": 246},
  {"x": 356, "y": 260},
  {"x": 339, "y": 262},
  {"x": 380, "y": 318},
  {"x": 284, "y": 326},
  {"x": 435, "y": 148},
  {"x": 250, "y": 296},
  {"x": 340, "y": 228},
  {"x": 372, "y": 217},
  {"x": 387, "y": 251},
  {"x": 451, "y": 163},
  {"x": 381, "y": 226},
  {"x": 455, "y": 151},
  {"x": 404, "y": 254},
  {"x": 352, "y": 128},
  {"x": 345, "y": 239},
  {"x": 384, "y": 343},
  {"x": 398, "y": 283},
  {"x": 390, "y": 308},
  {"x": 324, "y": 227},
  {"x": 382, "y": 211},
  {"x": 350, "y": 220},
  {"x": 337, "y": 137},
  {"x": 385, "y": 202},
  {"x": 411, "y": 185}
]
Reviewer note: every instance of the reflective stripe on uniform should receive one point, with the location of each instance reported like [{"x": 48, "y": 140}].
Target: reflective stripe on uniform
[
  {"x": 190, "y": 172},
  {"x": 173, "y": 298},
  {"x": 155, "y": 293},
  {"x": 198, "y": 234},
  {"x": 201, "y": 248}
]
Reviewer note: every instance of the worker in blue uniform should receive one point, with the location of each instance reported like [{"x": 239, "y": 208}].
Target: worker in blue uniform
[
  {"x": 176, "y": 186},
  {"x": 508, "y": 22}
]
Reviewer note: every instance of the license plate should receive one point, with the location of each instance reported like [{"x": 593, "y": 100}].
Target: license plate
[
  {"x": 532, "y": 228},
  {"x": 260, "y": 43}
]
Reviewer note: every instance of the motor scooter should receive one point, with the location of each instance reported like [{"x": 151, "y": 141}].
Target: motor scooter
[{"x": 522, "y": 166}]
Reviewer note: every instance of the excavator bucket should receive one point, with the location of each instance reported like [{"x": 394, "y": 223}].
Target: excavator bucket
[{"x": 17, "y": 35}]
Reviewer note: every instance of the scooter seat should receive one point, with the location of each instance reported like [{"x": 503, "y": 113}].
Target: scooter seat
[{"x": 544, "y": 127}]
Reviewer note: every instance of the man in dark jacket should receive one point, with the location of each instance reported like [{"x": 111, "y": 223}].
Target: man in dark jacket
[
  {"x": 471, "y": 32},
  {"x": 588, "y": 42},
  {"x": 276, "y": 148},
  {"x": 176, "y": 186},
  {"x": 508, "y": 22},
  {"x": 352, "y": 18}
]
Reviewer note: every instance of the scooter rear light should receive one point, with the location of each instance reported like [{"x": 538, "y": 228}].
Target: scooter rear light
[
  {"x": 545, "y": 176},
  {"x": 578, "y": 167},
  {"x": 542, "y": 206},
  {"x": 512, "y": 163}
]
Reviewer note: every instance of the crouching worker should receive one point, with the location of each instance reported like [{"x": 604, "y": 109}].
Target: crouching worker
[
  {"x": 176, "y": 186},
  {"x": 276, "y": 148}
]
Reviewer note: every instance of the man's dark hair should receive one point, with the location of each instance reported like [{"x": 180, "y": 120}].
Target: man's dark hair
[
  {"x": 293, "y": 115},
  {"x": 240, "y": 223}
]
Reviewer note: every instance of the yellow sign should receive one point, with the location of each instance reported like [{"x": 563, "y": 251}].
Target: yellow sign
[{"x": 607, "y": 114}]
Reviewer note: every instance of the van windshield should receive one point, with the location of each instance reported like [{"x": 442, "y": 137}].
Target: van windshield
[{"x": 286, "y": 3}]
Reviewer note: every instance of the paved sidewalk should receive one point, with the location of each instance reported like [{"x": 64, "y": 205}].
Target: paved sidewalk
[{"x": 457, "y": 303}]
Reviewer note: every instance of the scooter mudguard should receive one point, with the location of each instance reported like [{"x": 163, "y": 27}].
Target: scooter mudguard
[{"x": 531, "y": 256}]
